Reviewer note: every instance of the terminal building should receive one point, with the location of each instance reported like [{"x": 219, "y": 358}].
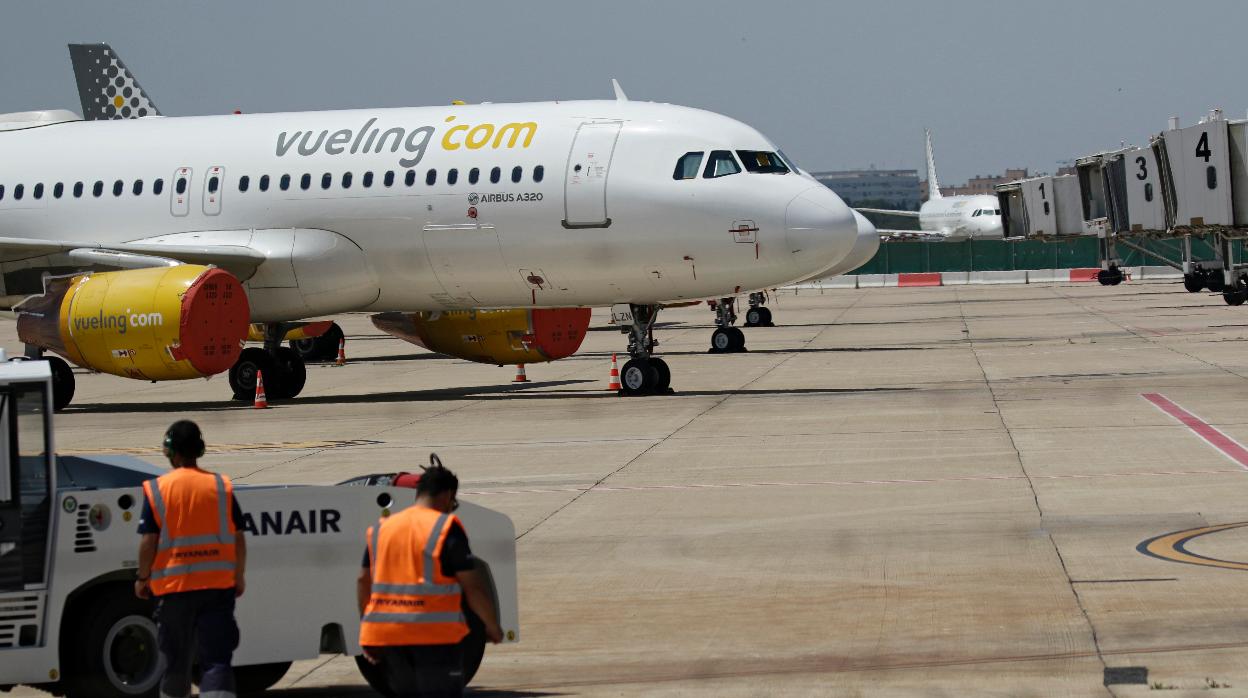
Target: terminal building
[{"x": 875, "y": 188}]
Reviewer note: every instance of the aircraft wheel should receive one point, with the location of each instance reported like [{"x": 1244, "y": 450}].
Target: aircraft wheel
[
  {"x": 243, "y": 373},
  {"x": 722, "y": 340},
  {"x": 738, "y": 339},
  {"x": 1193, "y": 283},
  {"x": 765, "y": 320},
  {"x": 289, "y": 376},
  {"x": 754, "y": 317},
  {"x": 664, "y": 374},
  {"x": 639, "y": 377},
  {"x": 323, "y": 348},
  {"x": 63, "y": 382}
]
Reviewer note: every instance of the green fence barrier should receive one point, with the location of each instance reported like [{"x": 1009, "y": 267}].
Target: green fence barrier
[{"x": 1001, "y": 255}]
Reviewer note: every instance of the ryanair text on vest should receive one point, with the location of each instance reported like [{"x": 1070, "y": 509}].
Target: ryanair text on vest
[{"x": 413, "y": 142}]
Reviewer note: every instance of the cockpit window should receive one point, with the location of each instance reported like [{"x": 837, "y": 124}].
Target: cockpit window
[
  {"x": 977, "y": 212},
  {"x": 762, "y": 162},
  {"x": 688, "y": 165},
  {"x": 788, "y": 161},
  {"x": 720, "y": 164}
]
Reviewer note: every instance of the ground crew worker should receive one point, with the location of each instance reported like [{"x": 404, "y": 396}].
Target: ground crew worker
[
  {"x": 192, "y": 557},
  {"x": 417, "y": 570}
]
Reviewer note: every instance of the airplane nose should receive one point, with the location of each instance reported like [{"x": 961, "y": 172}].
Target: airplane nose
[{"x": 820, "y": 229}]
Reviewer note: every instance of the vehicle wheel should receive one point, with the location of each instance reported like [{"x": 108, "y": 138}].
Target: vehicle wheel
[
  {"x": 1103, "y": 277},
  {"x": 1193, "y": 283},
  {"x": 1214, "y": 282},
  {"x": 243, "y": 373},
  {"x": 258, "y": 678},
  {"x": 754, "y": 317},
  {"x": 114, "y": 652},
  {"x": 664, "y": 378},
  {"x": 375, "y": 676},
  {"x": 63, "y": 382},
  {"x": 1235, "y": 297},
  {"x": 289, "y": 376},
  {"x": 323, "y": 348},
  {"x": 721, "y": 340},
  {"x": 765, "y": 320},
  {"x": 738, "y": 339},
  {"x": 638, "y": 377}
]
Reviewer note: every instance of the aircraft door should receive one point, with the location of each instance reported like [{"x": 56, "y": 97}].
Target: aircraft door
[
  {"x": 180, "y": 192},
  {"x": 214, "y": 182},
  {"x": 585, "y": 184}
]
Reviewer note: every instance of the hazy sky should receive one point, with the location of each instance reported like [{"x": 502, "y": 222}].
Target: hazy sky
[{"x": 838, "y": 85}]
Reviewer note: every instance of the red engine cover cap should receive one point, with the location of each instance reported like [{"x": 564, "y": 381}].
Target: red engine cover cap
[
  {"x": 408, "y": 480},
  {"x": 215, "y": 316}
]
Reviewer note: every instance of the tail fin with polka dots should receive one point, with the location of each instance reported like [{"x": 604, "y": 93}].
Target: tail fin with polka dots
[{"x": 106, "y": 88}]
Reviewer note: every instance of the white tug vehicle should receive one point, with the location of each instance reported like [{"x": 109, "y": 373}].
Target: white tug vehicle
[{"x": 69, "y": 620}]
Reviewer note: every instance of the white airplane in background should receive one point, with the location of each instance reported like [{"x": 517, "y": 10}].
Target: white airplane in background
[
  {"x": 949, "y": 217},
  {"x": 115, "y": 226}
]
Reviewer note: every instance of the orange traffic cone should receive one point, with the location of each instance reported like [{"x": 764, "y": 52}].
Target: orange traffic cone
[
  {"x": 342, "y": 352},
  {"x": 615, "y": 376},
  {"x": 520, "y": 376},
  {"x": 261, "y": 402}
]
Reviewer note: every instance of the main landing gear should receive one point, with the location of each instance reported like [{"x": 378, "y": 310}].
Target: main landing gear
[
  {"x": 758, "y": 315},
  {"x": 726, "y": 339},
  {"x": 282, "y": 367},
  {"x": 319, "y": 349},
  {"x": 644, "y": 374}
]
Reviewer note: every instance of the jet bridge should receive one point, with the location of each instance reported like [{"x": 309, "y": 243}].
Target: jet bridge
[
  {"x": 1120, "y": 198},
  {"x": 1041, "y": 208}
]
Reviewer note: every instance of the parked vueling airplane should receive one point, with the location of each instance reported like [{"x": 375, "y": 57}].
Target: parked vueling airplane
[
  {"x": 949, "y": 217},
  {"x": 150, "y": 244}
]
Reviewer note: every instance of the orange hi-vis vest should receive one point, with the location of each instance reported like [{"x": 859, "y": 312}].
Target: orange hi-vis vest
[
  {"x": 196, "y": 546},
  {"x": 412, "y": 602}
]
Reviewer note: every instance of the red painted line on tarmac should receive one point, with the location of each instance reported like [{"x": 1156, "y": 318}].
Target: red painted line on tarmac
[
  {"x": 1229, "y": 447},
  {"x": 839, "y": 483}
]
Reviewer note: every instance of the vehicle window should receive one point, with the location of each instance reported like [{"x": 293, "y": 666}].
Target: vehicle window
[
  {"x": 78, "y": 189},
  {"x": 410, "y": 178},
  {"x": 720, "y": 164},
  {"x": 157, "y": 187},
  {"x": 118, "y": 187},
  {"x": 495, "y": 175},
  {"x": 688, "y": 165},
  {"x": 38, "y": 191},
  {"x": 58, "y": 190},
  {"x": 389, "y": 178},
  {"x": 284, "y": 182},
  {"x": 305, "y": 181},
  {"x": 346, "y": 180},
  {"x": 327, "y": 180},
  {"x": 264, "y": 182},
  {"x": 762, "y": 162},
  {"x": 18, "y": 190},
  {"x": 538, "y": 173},
  {"x": 180, "y": 188},
  {"x": 368, "y": 179},
  {"x": 244, "y": 182},
  {"x": 473, "y": 175},
  {"x": 516, "y": 173},
  {"x": 452, "y": 176},
  {"x": 136, "y": 189},
  {"x": 431, "y": 177},
  {"x": 213, "y": 183}
]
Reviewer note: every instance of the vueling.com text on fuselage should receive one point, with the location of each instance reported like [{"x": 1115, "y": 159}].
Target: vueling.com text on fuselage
[{"x": 370, "y": 138}]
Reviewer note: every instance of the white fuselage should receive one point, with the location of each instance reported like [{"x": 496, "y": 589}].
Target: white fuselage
[
  {"x": 962, "y": 217},
  {"x": 607, "y": 222}
]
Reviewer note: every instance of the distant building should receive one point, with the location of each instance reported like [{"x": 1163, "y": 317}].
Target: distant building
[
  {"x": 876, "y": 188},
  {"x": 979, "y": 184}
]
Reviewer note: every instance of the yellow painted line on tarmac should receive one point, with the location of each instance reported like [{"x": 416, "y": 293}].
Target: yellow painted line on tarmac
[
  {"x": 1172, "y": 547},
  {"x": 319, "y": 445}
]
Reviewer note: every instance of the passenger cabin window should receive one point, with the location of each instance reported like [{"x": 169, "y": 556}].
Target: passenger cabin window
[
  {"x": 157, "y": 187},
  {"x": 516, "y": 173},
  {"x": 410, "y": 178},
  {"x": 327, "y": 180},
  {"x": 431, "y": 177},
  {"x": 688, "y": 165},
  {"x": 264, "y": 182},
  {"x": 284, "y": 182},
  {"x": 720, "y": 164},
  {"x": 452, "y": 176},
  {"x": 538, "y": 173},
  {"x": 244, "y": 182},
  {"x": 346, "y": 180},
  {"x": 78, "y": 189},
  {"x": 138, "y": 187},
  {"x": 38, "y": 191},
  {"x": 368, "y": 179},
  {"x": 305, "y": 181},
  {"x": 495, "y": 175},
  {"x": 59, "y": 190},
  {"x": 473, "y": 175},
  {"x": 118, "y": 187},
  {"x": 762, "y": 162},
  {"x": 388, "y": 180},
  {"x": 1, "y": 192},
  {"x": 18, "y": 190}
]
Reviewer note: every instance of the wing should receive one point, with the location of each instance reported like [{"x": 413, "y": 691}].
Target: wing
[
  {"x": 238, "y": 260},
  {"x": 889, "y": 212}
]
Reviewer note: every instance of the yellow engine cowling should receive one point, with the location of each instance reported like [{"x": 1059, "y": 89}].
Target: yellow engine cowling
[
  {"x": 305, "y": 330},
  {"x": 162, "y": 323},
  {"x": 492, "y": 336}
]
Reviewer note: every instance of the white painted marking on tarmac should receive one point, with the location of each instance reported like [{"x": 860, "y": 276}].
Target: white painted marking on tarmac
[
  {"x": 1210, "y": 434},
  {"x": 839, "y": 483}
]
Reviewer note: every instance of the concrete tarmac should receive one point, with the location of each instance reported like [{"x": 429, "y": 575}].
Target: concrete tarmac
[{"x": 930, "y": 491}]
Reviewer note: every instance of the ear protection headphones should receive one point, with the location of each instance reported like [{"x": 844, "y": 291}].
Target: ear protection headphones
[{"x": 200, "y": 447}]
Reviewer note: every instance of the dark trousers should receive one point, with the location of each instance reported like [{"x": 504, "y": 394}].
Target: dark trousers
[
  {"x": 423, "y": 671},
  {"x": 202, "y": 620}
]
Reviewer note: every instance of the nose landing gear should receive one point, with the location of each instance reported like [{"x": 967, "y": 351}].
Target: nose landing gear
[
  {"x": 726, "y": 339},
  {"x": 758, "y": 315},
  {"x": 644, "y": 374}
]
